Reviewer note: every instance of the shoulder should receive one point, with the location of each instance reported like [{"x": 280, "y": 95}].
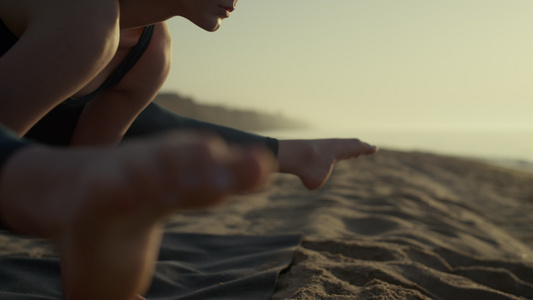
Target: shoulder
[{"x": 152, "y": 68}]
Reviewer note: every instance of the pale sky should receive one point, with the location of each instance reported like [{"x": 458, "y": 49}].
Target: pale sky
[{"x": 366, "y": 64}]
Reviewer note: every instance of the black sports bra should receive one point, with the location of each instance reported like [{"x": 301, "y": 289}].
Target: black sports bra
[{"x": 8, "y": 39}]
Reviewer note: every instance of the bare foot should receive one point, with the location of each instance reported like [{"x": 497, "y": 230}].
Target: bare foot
[
  {"x": 313, "y": 160},
  {"x": 103, "y": 208}
]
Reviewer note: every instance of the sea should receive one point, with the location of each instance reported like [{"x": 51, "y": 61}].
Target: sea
[{"x": 511, "y": 147}]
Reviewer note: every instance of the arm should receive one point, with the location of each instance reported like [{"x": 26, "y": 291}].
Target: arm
[
  {"x": 109, "y": 115},
  {"x": 106, "y": 118}
]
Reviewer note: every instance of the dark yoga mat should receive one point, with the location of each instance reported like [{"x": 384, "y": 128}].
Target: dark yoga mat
[{"x": 190, "y": 266}]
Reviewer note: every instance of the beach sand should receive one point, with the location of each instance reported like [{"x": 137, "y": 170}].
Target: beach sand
[{"x": 395, "y": 225}]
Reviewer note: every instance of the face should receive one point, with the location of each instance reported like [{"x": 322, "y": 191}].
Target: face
[{"x": 207, "y": 14}]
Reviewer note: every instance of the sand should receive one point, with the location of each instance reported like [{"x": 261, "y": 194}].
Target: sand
[{"x": 393, "y": 226}]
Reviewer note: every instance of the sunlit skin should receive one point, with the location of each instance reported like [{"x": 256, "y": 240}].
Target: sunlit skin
[{"x": 97, "y": 184}]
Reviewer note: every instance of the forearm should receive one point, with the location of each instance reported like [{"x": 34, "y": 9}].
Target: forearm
[{"x": 105, "y": 120}]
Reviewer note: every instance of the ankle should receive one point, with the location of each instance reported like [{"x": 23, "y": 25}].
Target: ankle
[{"x": 294, "y": 155}]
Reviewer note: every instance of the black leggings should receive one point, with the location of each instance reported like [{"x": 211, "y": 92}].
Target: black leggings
[{"x": 57, "y": 127}]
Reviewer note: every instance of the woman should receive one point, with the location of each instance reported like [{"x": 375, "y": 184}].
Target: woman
[{"x": 83, "y": 73}]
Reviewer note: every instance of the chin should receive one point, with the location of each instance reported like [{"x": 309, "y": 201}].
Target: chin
[
  {"x": 209, "y": 25},
  {"x": 212, "y": 29}
]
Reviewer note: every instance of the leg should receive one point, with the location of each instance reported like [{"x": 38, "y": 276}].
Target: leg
[
  {"x": 311, "y": 160},
  {"x": 156, "y": 119},
  {"x": 58, "y": 126},
  {"x": 103, "y": 208}
]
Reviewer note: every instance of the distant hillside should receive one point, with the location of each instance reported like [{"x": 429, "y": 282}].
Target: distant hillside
[{"x": 239, "y": 119}]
